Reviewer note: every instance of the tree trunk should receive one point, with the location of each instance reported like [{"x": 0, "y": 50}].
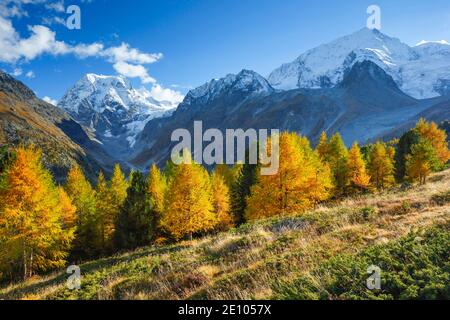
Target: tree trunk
[
  {"x": 30, "y": 268},
  {"x": 25, "y": 270}
]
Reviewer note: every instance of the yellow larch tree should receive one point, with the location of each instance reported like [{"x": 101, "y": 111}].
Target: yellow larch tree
[
  {"x": 359, "y": 178},
  {"x": 156, "y": 189},
  {"x": 80, "y": 191},
  {"x": 118, "y": 186},
  {"x": 422, "y": 161},
  {"x": 104, "y": 211},
  {"x": 437, "y": 138},
  {"x": 221, "y": 202},
  {"x": 35, "y": 217},
  {"x": 322, "y": 147},
  {"x": 381, "y": 165},
  {"x": 300, "y": 182},
  {"x": 188, "y": 205}
]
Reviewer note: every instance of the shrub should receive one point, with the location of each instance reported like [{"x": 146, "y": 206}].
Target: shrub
[{"x": 414, "y": 267}]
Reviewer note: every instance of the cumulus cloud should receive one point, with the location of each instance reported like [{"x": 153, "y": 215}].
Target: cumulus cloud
[
  {"x": 41, "y": 40},
  {"x": 164, "y": 94},
  {"x": 126, "y": 60},
  {"x": 133, "y": 71},
  {"x": 30, "y": 74},
  {"x": 50, "y": 100}
]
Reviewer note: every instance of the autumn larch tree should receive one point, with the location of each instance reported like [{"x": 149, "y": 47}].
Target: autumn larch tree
[
  {"x": 322, "y": 147},
  {"x": 337, "y": 158},
  {"x": 189, "y": 209},
  {"x": 437, "y": 137},
  {"x": 88, "y": 236},
  {"x": 104, "y": 209},
  {"x": 381, "y": 165},
  {"x": 300, "y": 182},
  {"x": 422, "y": 161},
  {"x": 358, "y": 177},
  {"x": 157, "y": 188},
  {"x": 221, "y": 202},
  {"x": 118, "y": 187},
  {"x": 36, "y": 229}
]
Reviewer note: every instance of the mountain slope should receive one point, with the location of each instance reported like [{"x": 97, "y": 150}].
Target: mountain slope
[
  {"x": 26, "y": 119},
  {"x": 265, "y": 259},
  {"x": 422, "y": 71}
]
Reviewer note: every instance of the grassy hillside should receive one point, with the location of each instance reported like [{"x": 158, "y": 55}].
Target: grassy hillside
[{"x": 322, "y": 254}]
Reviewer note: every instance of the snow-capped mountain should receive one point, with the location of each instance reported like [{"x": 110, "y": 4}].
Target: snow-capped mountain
[
  {"x": 422, "y": 71},
  {"x": 112, "y": 109},
  {"x": 245, "y": 81}
]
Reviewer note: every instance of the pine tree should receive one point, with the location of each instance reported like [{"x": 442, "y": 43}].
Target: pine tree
[
  {"x": 381, "y": 165},
  {"x": 359, "y": 179},
  {"x": 135, "y": 224},
  {"x": 241, "y": 189},
  {"x": 404, "y": 146},
  {"x": 221, "y": 202},
  {"x": 422, "y": 161},
  {"x": 189, "y": 208},
  {"x": 301, "y": 181},
  {"x": 35, "y": 230},
  {"x": 88, "y": 236}
]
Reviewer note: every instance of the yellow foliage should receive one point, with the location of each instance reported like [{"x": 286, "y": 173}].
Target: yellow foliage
[
  {"x": 437, "y": 138},
  {"x": 188, "y": 205},
  {"x": 358, "y": 176},
  {"x": 36, "y": 218},
  {"x": 156, "y": 189},
  {"x": 301, "y": 181},
  {"x": 381, "y": 165},
  {"x": 221, "y": 202}
]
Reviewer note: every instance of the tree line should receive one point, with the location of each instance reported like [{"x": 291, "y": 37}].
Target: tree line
[{"x": 44, "y": 225}]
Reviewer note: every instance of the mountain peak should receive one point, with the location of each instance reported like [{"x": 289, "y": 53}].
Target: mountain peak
[
  {"x": 421, "y": 71},
  {"x": 247, "y": 81},
  {"x": 112, "y": 108},
  {"x": 366, "y": 72}
]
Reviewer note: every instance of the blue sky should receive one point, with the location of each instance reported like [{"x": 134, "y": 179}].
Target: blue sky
[{"x": 198, "y": 39}]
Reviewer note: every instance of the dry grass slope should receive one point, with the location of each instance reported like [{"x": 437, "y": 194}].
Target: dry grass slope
[{"x": 246, "y": 263}]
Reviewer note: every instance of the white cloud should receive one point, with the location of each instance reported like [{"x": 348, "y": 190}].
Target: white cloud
[
  {"x": 41, "y": 40},
  {"x": 131, "y": 55},
  {"x": 133, "y": 71},
  {"x": 126, "y": 60},
  {"x": 57, "y": 6},
  {"x": 50, "y": 100},
  {"x": 164, "y": 94},
  {"x": 17, "y": 72}
]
